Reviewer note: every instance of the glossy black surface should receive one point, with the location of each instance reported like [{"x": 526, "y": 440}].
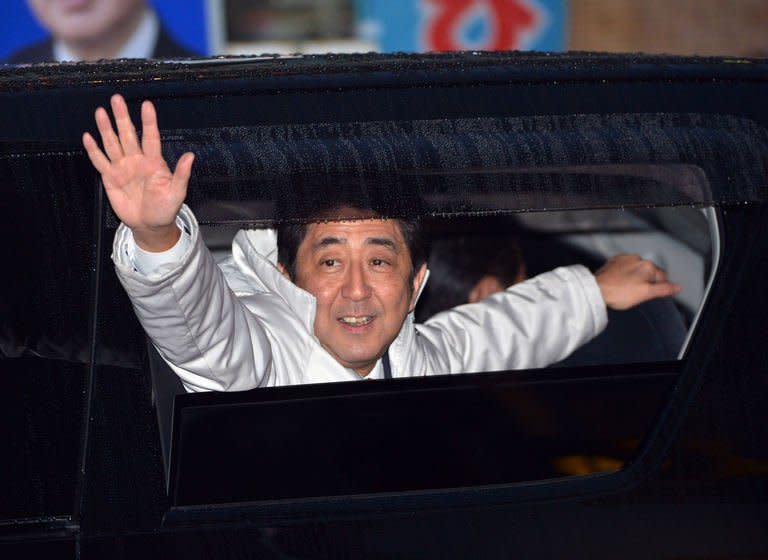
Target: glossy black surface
[
  {"x": 41, "y": 421},
  {"x": 49, "y": 255},
  {"x": 81, "y": 435},
  {"x": 459, "y": 433}
]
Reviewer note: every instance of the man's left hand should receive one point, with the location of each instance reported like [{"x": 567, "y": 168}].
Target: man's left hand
[{"x": 628, "y": 280}]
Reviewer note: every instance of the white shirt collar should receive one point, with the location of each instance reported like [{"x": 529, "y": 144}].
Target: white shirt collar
[
  {"x": 140, "y": 45},
  {"x": 377, "y": 372}
]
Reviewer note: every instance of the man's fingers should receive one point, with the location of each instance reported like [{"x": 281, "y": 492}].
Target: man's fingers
[
  {"x": 663, "y": 289},
  {"x": 127, "y": 132},
  {"x": 658, "y": 283},
  {"x": 183, "y": 171},
  {"x": 150, "y": 133},
  {"x": 108, "y": 137},
  {"x": 627, "y": 280},
  {"x": 97, "y": 157},
  {"x": 658, "y": 276}
]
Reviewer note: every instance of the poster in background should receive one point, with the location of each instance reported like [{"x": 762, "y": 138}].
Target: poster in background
[
  {"x": 186, "y": 20},
  {"x": 441, "y": 25}
]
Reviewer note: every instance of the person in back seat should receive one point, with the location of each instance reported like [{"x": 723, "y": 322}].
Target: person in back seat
[
  {"x": 473, "y": 264},
  {"x": 469, "y": 264},
  {"x": 331, "y": 299}
]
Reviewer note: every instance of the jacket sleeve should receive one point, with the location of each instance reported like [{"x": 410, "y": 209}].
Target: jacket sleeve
[
  {"x": 196, "y": 322},
  {"x": 529, "y": 325}
]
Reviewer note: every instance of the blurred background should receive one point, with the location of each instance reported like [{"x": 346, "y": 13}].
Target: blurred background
[{"x": 212, "y": 27}]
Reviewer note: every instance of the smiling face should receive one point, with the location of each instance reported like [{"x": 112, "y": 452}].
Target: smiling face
[{"x": 360, "y": 273}]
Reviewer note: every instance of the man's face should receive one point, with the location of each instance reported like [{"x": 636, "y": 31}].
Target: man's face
[
  {"x": 359, "y": 271},
  {"x": 83, "y": 20}
]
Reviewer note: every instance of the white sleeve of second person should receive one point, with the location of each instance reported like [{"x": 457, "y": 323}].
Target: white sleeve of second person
[{"x": 199, "y": 326}]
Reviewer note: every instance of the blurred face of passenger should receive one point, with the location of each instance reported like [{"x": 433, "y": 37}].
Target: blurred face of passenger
[
  {"x": 87, "y": 20},
  {"x": 360, "y": 273}
]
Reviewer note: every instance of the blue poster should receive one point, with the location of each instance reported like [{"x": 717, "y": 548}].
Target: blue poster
[
  {"x": 183, "y": 22},
  {"x": 443, "y": 25}
]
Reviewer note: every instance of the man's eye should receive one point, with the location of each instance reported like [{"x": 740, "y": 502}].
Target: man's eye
[
  {"x": 329, "y": 262},
  {"x": 378, "y": 262}
]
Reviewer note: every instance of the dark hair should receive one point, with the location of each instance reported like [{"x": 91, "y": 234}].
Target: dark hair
[
  {"x": 290, "y": 236},
  {"x": 314, "y": 198},
  {"x": 458, "y": 261}
]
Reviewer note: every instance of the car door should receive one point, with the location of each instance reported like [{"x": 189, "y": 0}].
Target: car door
[{"x": 624, "y": 456}]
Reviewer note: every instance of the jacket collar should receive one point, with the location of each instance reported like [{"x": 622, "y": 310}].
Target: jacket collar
[{"x": 255, "y": 250}]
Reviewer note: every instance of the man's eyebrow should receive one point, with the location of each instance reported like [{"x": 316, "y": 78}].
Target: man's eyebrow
[
  {"x": 379, "y": 241},
  {"x": 326, "y": 241},
  {"x": 383, "y": 242}
]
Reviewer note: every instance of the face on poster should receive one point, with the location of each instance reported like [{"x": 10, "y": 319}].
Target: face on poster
[
  {"x": 442, "y": 25},
  {"x": 31, "y": 22}
]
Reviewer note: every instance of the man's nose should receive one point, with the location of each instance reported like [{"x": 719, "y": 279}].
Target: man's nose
[{"x": 356, "y": 286}]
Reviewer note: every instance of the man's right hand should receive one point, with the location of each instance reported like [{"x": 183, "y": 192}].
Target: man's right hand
[{"x": 143, "y": 192}]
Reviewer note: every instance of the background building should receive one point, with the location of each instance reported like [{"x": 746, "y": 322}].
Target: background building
[{"x": 703, "y": 27}]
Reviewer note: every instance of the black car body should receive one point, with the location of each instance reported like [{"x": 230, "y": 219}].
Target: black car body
[{"x": 632, "y": 457}]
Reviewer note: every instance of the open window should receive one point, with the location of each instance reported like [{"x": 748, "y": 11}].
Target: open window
[{"x": 570, "y": 189}]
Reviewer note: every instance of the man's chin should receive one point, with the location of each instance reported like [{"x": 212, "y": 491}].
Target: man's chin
[
  {"x": 352, "y": 352},
  {"x": 361, "y": 363}
]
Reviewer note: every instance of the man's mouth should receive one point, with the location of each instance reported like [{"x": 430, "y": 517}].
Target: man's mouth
[{"x": 356, "y": 321}]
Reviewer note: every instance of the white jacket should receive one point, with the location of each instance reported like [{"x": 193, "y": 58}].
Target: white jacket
[{"x": 242, "y": 324}]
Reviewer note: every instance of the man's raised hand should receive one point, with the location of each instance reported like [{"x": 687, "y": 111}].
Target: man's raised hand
[
  {"x": 628, "y": 280},
  {"x": 143, "y": 192}
]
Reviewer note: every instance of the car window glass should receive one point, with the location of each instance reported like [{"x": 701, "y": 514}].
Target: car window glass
[
  {"x": 264, "y": 173},
  {"x": 571, "y": 190}
]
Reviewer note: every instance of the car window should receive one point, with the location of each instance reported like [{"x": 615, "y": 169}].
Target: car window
[
  {"x": 571, "y": 190},
  {"x": 559, "y": 422}
]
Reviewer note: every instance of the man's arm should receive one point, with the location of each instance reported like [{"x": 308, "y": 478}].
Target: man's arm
[
  {"x": 529, "y": 325},
  {"x": 185, "y": 306},
  {"x": 199, "y": 326},
  {"x": 541, "y": 321}
]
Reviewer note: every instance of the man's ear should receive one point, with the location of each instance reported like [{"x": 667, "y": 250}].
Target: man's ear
[
  {"x": 283, "y": 270},
  {"x": 418, "y": 279}
]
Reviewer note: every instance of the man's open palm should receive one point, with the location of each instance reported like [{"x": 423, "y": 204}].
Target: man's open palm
[{"x": 143, "y": 192}]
